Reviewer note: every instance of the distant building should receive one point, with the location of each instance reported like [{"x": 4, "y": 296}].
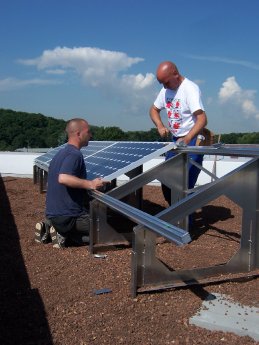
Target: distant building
[{"x": 37, "y": 150}]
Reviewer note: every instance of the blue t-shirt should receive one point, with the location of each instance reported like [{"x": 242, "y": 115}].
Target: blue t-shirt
[{"x": 62, "y": 200}]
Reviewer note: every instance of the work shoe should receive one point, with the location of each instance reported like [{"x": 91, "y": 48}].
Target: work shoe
[
  {"x": 58, "y": 241},
  {"x": 42, "y": 233}
]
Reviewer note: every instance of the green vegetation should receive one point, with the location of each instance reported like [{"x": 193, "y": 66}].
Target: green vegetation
[
  {"x": 20, "y": 129},
  {"x": 239, "y": 138}
]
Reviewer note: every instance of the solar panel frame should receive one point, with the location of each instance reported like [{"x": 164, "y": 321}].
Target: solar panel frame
[{"x": 110, "y": 159}]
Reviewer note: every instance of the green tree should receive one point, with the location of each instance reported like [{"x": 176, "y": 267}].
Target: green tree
[
  {"x": 108, "y": 133},
  {"x": 249, "y": 138},
  {"x": 20, "y": 129}
]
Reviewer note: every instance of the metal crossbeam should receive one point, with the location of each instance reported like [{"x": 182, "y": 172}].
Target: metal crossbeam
[
  {"x": 167, "y": 230},
  {"x": 220, "y": 150}
]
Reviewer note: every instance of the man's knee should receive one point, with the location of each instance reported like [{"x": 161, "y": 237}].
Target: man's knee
[{"x": 83, "y": 223}]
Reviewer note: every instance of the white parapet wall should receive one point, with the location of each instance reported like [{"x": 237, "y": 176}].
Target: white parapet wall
[
  {"x": 219, "y": 166},
  {"x": 21, "y": 164},
  {"x": 17, "y": 163}
]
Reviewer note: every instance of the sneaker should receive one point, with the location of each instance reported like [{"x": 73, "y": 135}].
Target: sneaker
[
  {"x": 42, "y": 233},
  {"x": 58, "y": 241}
]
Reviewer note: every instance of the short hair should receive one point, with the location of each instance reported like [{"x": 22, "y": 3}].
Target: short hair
[{"x": 74, "y": 125}]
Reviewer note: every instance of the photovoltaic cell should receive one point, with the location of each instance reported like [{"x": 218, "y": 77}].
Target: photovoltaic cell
[{"x": 109, "y": 159}]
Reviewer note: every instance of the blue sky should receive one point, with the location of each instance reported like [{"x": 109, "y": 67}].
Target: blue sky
[{"x": 98, "y": 59}]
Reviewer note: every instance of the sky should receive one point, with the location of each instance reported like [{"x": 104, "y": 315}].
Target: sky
[{"x": 98, "y": 59}]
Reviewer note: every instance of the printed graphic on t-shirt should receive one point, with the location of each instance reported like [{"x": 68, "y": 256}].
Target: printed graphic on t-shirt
[{"x": 173, "y": 108}]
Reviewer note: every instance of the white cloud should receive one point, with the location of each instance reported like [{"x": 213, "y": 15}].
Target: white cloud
[
  {"x": 13, "y": 84},
  {"x": 102, "y": 69},
  {"x": 250, "y": 109},
  {"x": 229, "y": 90},
  {"x": 83, "y": 58},
  {"x": 88, "y": 62},
  {"x": 138, "y": 81},
  {"x": 232, "y": 93}
]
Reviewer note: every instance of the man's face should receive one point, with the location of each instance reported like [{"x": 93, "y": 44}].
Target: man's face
[
  {"x": 169, "y": 80},
  {"x": 85, "y": 134}
]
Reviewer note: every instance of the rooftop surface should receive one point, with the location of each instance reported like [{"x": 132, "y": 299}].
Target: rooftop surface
[{"x": 48, "y": 295}]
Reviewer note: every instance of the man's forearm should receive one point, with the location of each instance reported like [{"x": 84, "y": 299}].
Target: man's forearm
[
  {"x": 201, "y": 122},
  {"x": 196, "y": 129},
  {"x": 74, "y": 182},
  {"x": 156, "y": 118}
]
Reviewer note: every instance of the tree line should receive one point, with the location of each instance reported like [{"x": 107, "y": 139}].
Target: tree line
[{"x": 30, "y": 130}]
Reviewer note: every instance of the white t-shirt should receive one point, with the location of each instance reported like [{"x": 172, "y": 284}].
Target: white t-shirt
[{"x": 180, "y": 105}]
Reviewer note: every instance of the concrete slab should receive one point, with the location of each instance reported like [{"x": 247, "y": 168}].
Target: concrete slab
[{"x": 219, "y": 313}]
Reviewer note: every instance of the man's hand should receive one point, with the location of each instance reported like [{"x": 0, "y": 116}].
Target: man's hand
[
  {"x": 184, "y": 141},
  {"x": 163, "y": 131},
  {"x": 98, "y": 183}
]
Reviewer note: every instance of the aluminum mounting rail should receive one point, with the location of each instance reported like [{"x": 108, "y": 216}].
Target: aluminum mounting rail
[
  {"x": 160, "y": 227},
  {"x": 220, "y": 150}
]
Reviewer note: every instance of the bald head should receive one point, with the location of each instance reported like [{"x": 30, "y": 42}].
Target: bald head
[
  {"x": 78, "y": 132},
  {"x": 167, "y": 74},
  {"x": 75, "y": 125},
  {"x": 165, "y": 68}
]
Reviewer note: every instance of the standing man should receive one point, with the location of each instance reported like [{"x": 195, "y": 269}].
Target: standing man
[
  {"x": 186, "y": 116},
  {"x": 67, "y": 201}
]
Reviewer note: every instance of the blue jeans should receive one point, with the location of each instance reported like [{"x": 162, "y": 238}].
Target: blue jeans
[
  {"x": 193, "y": 170},
  {"x": 72, "y": 228}
]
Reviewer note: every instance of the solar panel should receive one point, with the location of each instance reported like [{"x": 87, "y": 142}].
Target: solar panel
[{"x": 110, "y": 159}]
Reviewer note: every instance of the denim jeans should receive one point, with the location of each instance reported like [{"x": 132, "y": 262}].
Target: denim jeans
[{"x": 75, "y": 230}]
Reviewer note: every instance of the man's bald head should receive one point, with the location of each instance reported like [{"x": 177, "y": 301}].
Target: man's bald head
[
  {"x": 168, "y": 75},
  {"x": 75, "y": 125},
  {"x": 78, "y": 131},
  {"x": 165, "y": 68}
]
